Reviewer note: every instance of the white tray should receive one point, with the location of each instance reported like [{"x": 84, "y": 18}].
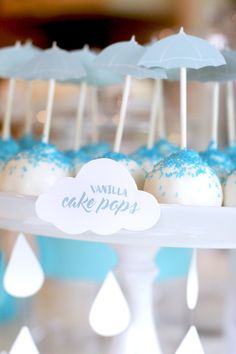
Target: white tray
[{"x": 179, "y": 226}]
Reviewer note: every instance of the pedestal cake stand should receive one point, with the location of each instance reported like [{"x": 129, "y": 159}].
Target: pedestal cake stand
[{"x": 179, "y": 226}]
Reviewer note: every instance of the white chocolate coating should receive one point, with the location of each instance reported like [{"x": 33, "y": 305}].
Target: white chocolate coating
[
  {"x": 34, "y": 171},
  {"x": 22, "y": 177},
  {"x": 187, "y": 181}
]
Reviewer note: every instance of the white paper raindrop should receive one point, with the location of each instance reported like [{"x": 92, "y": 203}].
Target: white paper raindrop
[
  {"x": 191, "y": 344},
  {"x": 192, "y": 290},
  {"x": 24, "y": 343},
  {"x": 110, "y": 313},
  {"x": 23, "y": 276}
]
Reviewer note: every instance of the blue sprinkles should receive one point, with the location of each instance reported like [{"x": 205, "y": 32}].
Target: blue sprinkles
[
  {"x": 46, "y": 153},
  {"x": 180, "y": 164}
]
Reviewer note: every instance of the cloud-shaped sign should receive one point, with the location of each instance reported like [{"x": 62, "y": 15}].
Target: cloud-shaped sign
[{"x": 102, "y": 198}]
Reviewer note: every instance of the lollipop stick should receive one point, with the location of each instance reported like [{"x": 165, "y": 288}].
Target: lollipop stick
[
  {"x": 230, "y": 112},
  {"x": 80, "y": 115},
  {"x": 6, "y": 133},
  {"x": 215, "y": 113},
  {"x": 47, "y": 125},
  {"x": 94, "y": 113},
  {"x": 161, "y": 130},
  {"x": 123, "y": 110},
  {"x": 28, "y": 115},
  {"x": 153, "y": 115},
  {"x": 183, "y": 107}
]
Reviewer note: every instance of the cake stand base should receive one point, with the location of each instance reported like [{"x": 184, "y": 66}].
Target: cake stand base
[{"x": 136, "y": 274}]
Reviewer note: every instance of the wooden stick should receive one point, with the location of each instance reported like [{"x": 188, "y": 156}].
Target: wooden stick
[
  {"x": 80, "y": 115},
  {"x": 123, "y": 111},
  {"x": 47, "y": 125},
  {"x": 28, "y": 114},
  {"x": 94, "y": 114},
  {"x": 183, "y": 107},
  {"x": 230, "y": 112},
  {"x": 154, "y": 113},
  {"x": 6, "y": 133}
]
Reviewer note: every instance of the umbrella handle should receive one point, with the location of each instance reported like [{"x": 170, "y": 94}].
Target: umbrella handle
[
  {"x": 230, "y": 112},
  {"x": 47, "y": 125},
  {"x": 161, "y": 129},
  {"x": 6, "y": 133},
  {"x": 28, "y": 114},
  {"x": 123, "y": 111},
  {"x": 80, "y": 115},
  {"x": 94, "y": 113},
  {"x": 215, "y": 113},
  {"x": 183, "y": 107},
  {"x": 154, "y": 113}
]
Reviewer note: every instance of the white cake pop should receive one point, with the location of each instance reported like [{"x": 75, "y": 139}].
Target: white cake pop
[
  {"x": 34, "y": 171},
  {"x": 183, "y": 178},
  {"x": 132, "y": 166},
  {"x": 230, "y": 190}
]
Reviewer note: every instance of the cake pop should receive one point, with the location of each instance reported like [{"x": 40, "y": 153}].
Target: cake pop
[
  {"x": 78, "y": 159},
  {"x": 8, "y": 148},
  {"x": 34, "y": 171},
  {"x": 132, "y": 166},
  {"x": 184, "y": 178},
  {"x": 219, "y": 161},
  {"x": 147, "y": 158}
]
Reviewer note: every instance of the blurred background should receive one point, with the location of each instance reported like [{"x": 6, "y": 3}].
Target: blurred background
[{"x": 58, "y": 315}]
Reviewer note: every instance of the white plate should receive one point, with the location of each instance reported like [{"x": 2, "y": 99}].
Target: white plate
[{"x": 179, "y": 226}]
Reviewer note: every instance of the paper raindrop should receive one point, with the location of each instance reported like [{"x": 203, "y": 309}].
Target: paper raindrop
[
  {"x": 24, "y": 343},
  {"x": 191, "y": 344},
  {"x": 24, "y": 275},
  {"x": 110, "y": 313},
  {"x": 192, "y": 283}
]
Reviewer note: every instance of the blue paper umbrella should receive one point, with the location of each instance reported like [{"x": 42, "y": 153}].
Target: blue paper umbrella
[
  {"x": 52, "y": 64},
  {"x": 223, "y": 73},
  {"x": 11, "y": 58},
  {"x": 182, "y": 51},
  {"x": 95, "y": 76},
  {"x": 122, "y": 58}
]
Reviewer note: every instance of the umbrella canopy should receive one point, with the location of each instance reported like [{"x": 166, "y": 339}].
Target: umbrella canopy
[
  {"x": 95, "y": 76},
  {"x": 13, "y": 57},
  {"x": 53, "y": 63},
  {"x": 181, "y": 50},
  {"x": 220, "y": 73},
  {"x": 122, "y": 58}
]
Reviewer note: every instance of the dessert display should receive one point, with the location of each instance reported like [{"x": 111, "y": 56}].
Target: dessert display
[{"x": 176, "y": 175}]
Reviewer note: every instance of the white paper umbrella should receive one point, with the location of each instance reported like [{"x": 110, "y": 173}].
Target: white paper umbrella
[
  {"x": 110, "y": 313},
  {"x": 23, "y": 276},
  {"x": 122, "y": 58},
  {"x": 24, "y": 343},
  {"x": 52, "y": 64},
  {"x": 182, "y": 51}
]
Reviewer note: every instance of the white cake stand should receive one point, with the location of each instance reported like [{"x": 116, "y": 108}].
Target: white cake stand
[{"x": 179, "y": 226}]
